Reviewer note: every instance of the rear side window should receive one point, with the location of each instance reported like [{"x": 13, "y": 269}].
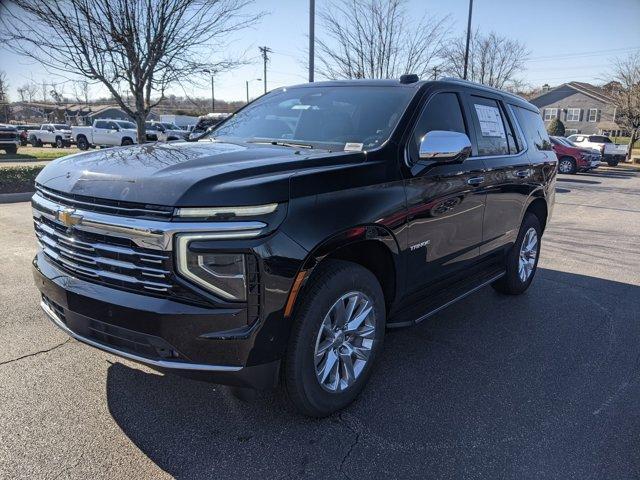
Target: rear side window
[
  {"x": 491, "y": 127},
  {"x": 443, "y": 112},
  {"x": 102, "y": 124},
  {"x": 599, "y": 139},
  {"x": 534, "y": 129}
]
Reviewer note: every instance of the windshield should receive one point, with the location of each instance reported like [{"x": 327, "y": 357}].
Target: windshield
[
  {"x": 123, "y": 124},
  {"x": 59, "y": 126},
  {"x": 170, "y": 126},
  {"x": 362, "y": 116}
]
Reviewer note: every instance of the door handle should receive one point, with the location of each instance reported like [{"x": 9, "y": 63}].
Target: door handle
[
  {"x": 522, "y": 173},
  {"x": 475, "y": 180}
]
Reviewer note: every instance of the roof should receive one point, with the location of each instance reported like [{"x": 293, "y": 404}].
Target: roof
[{"x": 585, "y": 88}]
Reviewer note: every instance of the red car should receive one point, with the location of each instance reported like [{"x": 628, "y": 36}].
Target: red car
[{"x": 572, "y": 159}]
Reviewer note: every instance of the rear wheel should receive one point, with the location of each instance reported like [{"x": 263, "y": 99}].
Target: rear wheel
[
  {"x": 612, "y": 162},
  {"x": 11, "y": 149},
  {"x": 127, "y": 141},
  {"x": 522, "y": 259},
  {"x": 82, "y": 143},
  {"x": 567, "y": 165},
  {"x": 59, "y": 142},
  {"x": 338, "y": 333}
]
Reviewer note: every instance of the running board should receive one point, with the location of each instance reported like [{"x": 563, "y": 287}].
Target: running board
[{"x": 446, "y": 304}]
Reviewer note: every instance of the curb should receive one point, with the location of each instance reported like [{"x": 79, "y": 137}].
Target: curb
[{"x": 15, "y": 197}]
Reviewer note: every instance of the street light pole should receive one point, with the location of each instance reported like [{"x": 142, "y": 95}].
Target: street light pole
[
  {"x": 247, "y": 85},
  {"x": 213, "y": 97},
  {"x": 466, "y": 51},
  {"x": 312, "y": 27}
]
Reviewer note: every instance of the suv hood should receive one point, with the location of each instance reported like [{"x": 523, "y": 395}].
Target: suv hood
[{"x": 201, "y": 173}]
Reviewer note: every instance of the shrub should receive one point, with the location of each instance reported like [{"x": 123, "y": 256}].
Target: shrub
[
  {"x": 556, "y": 128},
  {"x": 18, "y": 179}
]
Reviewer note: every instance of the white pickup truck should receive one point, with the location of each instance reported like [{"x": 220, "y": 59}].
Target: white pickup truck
[
  {"x": 55, "y": 134},
  {"x": 105, "y": 133},
  {"x": 611, "y": 153}
]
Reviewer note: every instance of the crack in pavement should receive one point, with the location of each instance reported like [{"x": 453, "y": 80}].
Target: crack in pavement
[
  {"x": 36, "y": 353},
  {"x": 351, "y": 447}
]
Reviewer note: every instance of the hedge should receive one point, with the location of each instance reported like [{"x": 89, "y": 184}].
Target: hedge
[{"x": 18, "y": 179}]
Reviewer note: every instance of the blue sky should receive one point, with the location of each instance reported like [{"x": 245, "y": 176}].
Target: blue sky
[{"x": 568, "y": 40}]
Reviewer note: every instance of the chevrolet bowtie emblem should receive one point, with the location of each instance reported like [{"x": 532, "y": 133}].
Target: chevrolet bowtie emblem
[{"x": 68, "y": 217}]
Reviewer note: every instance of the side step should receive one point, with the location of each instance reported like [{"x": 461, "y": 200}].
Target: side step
[{"x": 441, "y": 300}]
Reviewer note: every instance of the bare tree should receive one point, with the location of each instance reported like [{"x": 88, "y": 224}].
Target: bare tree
[
  {"x": 626, "y": 96},
  {"x": 136, "y": 46},
  {"x": 81, "y": 91},
  {"x": 376, "y": 39},
  {"x": 4, "y": 97},
  {"x": 28, "y": 92},
  {"x": 493, "y": 60}
]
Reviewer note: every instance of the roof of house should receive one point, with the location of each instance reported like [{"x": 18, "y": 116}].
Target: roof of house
[{"x": 592, "y": 91}]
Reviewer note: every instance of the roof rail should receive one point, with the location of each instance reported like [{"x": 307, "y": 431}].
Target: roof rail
[{"x": 481, "y": 86}]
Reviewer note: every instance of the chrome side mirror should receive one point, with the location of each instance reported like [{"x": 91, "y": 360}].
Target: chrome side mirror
[{"x": 445, "y": 146}]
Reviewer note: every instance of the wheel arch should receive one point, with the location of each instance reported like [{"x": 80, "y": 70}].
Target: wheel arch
[
  {"x": 538, "y": 206},
  {"x": 372, "y": 246}
]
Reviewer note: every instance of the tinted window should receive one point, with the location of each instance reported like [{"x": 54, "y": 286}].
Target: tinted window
[
  {"x": 102, "y": 124},
  {"x": 124, "y": 124},
  {"x": 534, "y": 129},
  {"x": 441, "y": 113},
  {"x": 61, "y": 127},
  {"x": 491, "y": 134},
  {"x": 599, "y": 139}
]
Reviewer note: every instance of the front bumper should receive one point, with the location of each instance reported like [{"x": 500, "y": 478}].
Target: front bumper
[{"x": 163, "y": 334}]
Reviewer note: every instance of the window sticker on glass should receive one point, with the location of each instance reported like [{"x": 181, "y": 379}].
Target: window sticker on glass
[
  {"x": 490, "y": 121},
  {"x": 353, "y": 147}
]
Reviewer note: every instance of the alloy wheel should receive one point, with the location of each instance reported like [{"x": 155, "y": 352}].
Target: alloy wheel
[
  {"x": 344, "y": 342},
  {"x": 528, "y": 254},
  {"x": 565, "y": 166}
]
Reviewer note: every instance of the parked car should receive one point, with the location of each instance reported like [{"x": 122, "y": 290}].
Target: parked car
[
  {"x": 205, "y": 123},
  {"x": 9, "y": 139},
  {"x": 284, "y": 245},
  {"x": 55, "y": 134},
  {"x": 160, "y": 132},
  {"x": 611, "y": 152},
  {"x": 23, "y": 132},
  {"x": 572, "y": 159},
  {"x": 105, "y": 133}
]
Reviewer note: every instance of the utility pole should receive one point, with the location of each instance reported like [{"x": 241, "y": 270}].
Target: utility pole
[
  {"x": 312, "y": 39},
  {"x": 466, "y": 51},
  {"x": 435, "y": 72},
  {"x": 213, "y": 97},
  {"x": 265, "y": 57}
]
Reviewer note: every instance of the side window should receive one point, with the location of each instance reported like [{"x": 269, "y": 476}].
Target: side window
[
  {"x": 102, "y": 124},
  {"x": 491, "y": 134},
  {"x": 443, "y": 112},
  {"x": 534, "y": 128}
]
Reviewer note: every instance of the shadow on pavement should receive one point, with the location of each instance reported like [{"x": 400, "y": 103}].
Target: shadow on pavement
[
  {"x": 577, "y": 180},
  {"x": 544, "y": 385}
]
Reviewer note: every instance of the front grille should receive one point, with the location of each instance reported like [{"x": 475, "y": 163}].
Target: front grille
[
  {"x": 8, "y": 135},
  {"x": 111, "y": 260},
  {"x": 112, "y": 207}
]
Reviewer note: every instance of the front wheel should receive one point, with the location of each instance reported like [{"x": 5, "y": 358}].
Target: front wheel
[
  {"x": 522, "y": 259},
  {"x": 337, "y": 334},
  {"x": 59, "y": 142}
]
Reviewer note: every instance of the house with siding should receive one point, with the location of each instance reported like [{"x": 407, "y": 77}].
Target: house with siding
[{"x": 582, "y": 107}]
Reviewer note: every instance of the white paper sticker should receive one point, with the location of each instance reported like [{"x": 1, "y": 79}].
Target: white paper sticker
[
  {"x": 490, "y": 121},
  {"x": 353, "y": 147}
]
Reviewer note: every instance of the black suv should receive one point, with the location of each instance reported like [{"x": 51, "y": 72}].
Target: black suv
[{"x": 284, "y": 243}]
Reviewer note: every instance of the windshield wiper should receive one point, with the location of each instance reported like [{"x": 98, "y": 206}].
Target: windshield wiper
[{"x": 283, "y": 144}]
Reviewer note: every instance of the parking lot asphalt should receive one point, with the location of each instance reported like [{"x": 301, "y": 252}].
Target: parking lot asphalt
[{"x": 544, "y": 385}]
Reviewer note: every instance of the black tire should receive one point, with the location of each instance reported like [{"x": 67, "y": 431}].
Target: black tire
[
  {"x": 332, "y": 280},
  {"x": 511, "y": 283},
  {"x": 567, "y": 165},
  {"x": 612, "y": 162},
  {"x": 59, "y": 142},
  {"x": 11, "y": 149},
  {"x": 127, "y": 141},
  {"x": 82, "y": 143}
]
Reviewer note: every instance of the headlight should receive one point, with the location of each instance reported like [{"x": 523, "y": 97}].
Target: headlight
[{"x": 223, "y": 274}]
